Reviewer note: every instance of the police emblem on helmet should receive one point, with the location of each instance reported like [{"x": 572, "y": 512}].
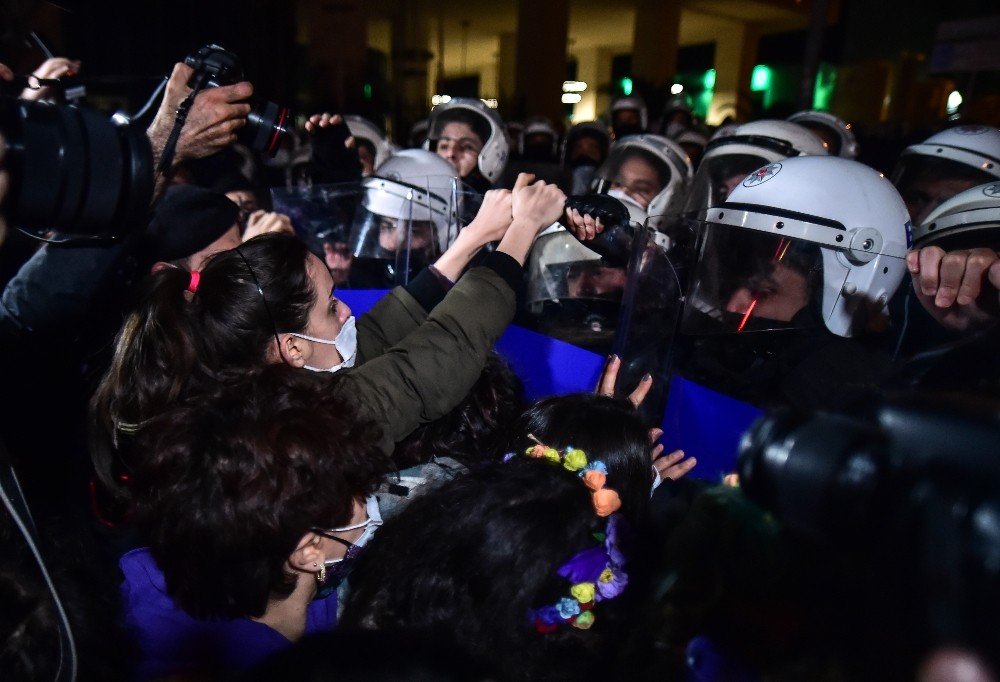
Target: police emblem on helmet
[
  {"x": 992, "y": 190},
  {"x": 971, "y": 130},
  {"x": 762, "y": 175}
]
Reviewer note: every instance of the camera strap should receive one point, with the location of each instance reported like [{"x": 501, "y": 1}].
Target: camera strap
[
  {"x": 165, "y": 167},
  {"x": 12, "y": 500}
]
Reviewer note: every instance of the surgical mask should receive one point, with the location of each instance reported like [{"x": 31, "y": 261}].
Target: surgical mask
[
  {"x": 636, "y": 212},
  {"x": 346, "y": 344},
  {"x": 337, "y": 569}
]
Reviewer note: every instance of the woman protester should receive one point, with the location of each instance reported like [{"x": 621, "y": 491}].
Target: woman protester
[
  {"x": 252, "y": 498},
  {"x": 271, "y": 301}
]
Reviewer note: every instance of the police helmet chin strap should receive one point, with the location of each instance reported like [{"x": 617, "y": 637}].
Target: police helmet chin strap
[{"x": 17, "y": 507}]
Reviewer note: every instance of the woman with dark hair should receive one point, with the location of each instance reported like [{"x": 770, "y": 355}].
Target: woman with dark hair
[
  {"x": 271, "y": 301},
  {"x": 250, "y": 497},
  {"x": 506, "y": 559},
  {"x": 602, "y": 426}
]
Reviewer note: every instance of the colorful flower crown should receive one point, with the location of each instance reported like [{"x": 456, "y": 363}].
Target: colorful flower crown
[{"x": 597, "y": 573}]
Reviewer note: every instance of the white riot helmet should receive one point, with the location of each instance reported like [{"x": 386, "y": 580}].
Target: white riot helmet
[
  {"x": 630, "y": 103},
  {"x": 945, "y": 164},
  {"x": 677, "y": 104},
  {"x": 813, "y": 240},
  {"x": 728, "y": 159},
  {"x": 573, "y": 294},
  {"x": 970, "y": 219},
  {"x": 363, "y": 129},
  {"x": 835, "y": 131},
  {"x": 666, "y": 157},
  {"x": 413, "y": 206},
  {"x": 487, "y": 124},
  {"x": 539, "y": 125}
]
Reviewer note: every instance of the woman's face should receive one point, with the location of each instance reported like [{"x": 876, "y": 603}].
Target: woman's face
[
  {"x": 639, "y": 180},
  {"x": 460, "y": 145},
  {"x": 327, "y": 316}
]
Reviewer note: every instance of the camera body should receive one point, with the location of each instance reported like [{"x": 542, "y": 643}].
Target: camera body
[
  {"x": 913, "y": 488},
  {"x": 267, "y": 122}
]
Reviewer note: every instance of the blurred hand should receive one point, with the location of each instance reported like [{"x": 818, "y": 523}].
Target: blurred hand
[
  {"x": 538, "y": 204},
  {"x": 6, "y": 73},
  {"x": 263, "y": 222},
  {"x": 583, "y": 226},
  {"x": 672, "y": 466},
  {"x": 53, "y": 67},
  {"x": 494, "y": 216},
  {"x": 955, "y": 287},
  {"x": 215, "y": 116}
]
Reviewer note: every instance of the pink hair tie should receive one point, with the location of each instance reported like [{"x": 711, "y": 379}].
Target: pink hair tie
[{"x": 195, "y": 280}]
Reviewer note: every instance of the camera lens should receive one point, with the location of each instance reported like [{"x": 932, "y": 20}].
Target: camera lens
[
  {"x": 73, "y": 170},
  {"x": 267, "y": 124}
]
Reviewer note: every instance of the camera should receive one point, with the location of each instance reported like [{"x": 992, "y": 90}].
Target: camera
[
  {"x": 267, "y": 122},
  {"x": 73, "y": 170},
  {"x": 912, "y": 488}
]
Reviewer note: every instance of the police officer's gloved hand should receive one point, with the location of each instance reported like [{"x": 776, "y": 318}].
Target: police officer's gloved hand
[{"x": 332, "y": 159}]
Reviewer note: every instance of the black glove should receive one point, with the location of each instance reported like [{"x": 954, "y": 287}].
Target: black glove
[
  {"x": 614, "y": 243},
  {"x": 332, "y": 161}
]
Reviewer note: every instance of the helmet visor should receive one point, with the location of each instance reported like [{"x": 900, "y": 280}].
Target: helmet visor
[
  {"x": 717, "y": 176},
  {"x": 926, "y": 182},
  {"x": 573, "y": 294},
  {"x": 637, "y": 172},
  {"x": 746, "y": 280}
]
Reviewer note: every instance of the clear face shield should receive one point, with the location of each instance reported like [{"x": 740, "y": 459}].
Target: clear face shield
[
  {"x": 573, "y": 293},
  {"x": 322, "y": 216},
  {"x": 746, "y": 280},
  {"x": 399, "y": 227},
  {"x": 926, "y": 182},
  {"x": 633, "y": 172},
  {"x": 719, "y": 175},
  {"x": 651, "y": 305}
]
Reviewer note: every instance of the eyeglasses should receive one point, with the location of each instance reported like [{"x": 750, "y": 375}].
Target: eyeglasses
[{"x": 328, "y": 534}]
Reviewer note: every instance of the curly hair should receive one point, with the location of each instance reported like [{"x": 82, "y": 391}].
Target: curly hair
[
  {"x": 475, "y": 430},
  {"x": 475, "y": 557},
  {"x": 609, "y": 429},
  {"x": 231, "y": 482},
  {"x": 171, "y": 347}
]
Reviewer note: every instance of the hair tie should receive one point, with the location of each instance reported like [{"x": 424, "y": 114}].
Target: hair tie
[{"x": 194, "y": 281}]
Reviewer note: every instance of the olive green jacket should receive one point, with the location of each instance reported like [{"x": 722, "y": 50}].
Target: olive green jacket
[{"x": 414, "y": 367}]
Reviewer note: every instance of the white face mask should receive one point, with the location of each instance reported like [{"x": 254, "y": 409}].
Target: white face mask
[{"x": 346, "y": 344}]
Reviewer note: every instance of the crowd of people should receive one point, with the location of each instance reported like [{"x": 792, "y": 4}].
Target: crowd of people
[{"x": 229, "y": 475}]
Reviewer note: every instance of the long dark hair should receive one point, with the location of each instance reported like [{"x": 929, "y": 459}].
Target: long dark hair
[
  {"x": 476, "y": 556},
  {"x": 608, "y": 429},
  {"x": 175, "y": 344}
]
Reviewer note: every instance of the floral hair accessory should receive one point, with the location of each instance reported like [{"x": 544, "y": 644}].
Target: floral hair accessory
[
  {"x": 597, "y": 573},
  {"x": 594, "y": 474}
]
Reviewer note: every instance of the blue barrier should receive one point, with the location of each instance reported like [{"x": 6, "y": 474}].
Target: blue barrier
[
  {"x": 707, "y": 425},
  {"x": 546, "y": 365},
  {"x": 698, "y": 420}
]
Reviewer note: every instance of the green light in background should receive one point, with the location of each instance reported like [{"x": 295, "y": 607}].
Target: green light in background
[
  {"x": 826, "y": 80},
  {"x": 709, "y": 80},
  {"x": 368, "y": 90},
  {"x": 626, "y": 86},
  {"x": 760, "y": 79}
]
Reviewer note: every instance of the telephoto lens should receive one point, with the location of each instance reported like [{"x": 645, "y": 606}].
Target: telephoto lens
[{"x": 73, "y": 170}]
